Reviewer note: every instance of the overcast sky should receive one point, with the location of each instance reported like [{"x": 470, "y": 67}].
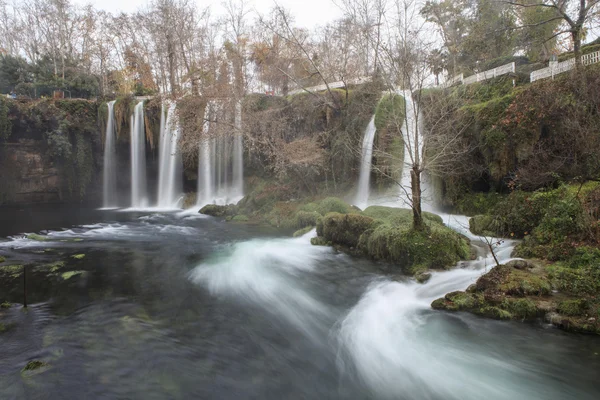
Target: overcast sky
[{"x": 308, "y": 13}]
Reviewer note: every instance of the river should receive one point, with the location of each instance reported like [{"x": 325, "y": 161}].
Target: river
[{"x": 171, "y": 306}]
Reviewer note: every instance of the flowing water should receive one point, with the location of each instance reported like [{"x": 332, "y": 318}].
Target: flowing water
[
  {"x": 220, "y": 165},
  {"x": 171, "y": 307},
  {"x": 139, "y": 197},
  {"x": 109, "y": 173},
  {"x": 364, "y": 179},
  {"x": 170, "y": 167}
]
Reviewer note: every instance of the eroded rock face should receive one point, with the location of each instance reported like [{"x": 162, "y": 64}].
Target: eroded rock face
[{"x": 28, "y": 175}]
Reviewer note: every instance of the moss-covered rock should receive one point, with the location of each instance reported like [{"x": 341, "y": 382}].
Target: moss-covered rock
[
  {"x": 345, "y": 229},
  {"x": 240, "y": 218},
  {"x": 2, "y": 259},
  {"x": 78, "y": 256},
  {"x": 437, "y": 247},
  {"x": 219, "y": 211},
  {"x": 523, "y": 291},
  {"x": 319, "y": 241}
]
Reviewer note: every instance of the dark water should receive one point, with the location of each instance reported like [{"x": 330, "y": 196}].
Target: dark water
[{"x": 188, "y": 307}]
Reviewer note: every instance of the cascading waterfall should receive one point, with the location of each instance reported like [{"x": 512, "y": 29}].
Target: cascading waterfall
[
  {"x": 412, "y": 132},
  {"x": 138, "y": 158},
  {"x": 205, "y": 193},
  {"x": 169, "y": 169},
  {"x": 220, "y": 167},
  {"x": 109, "y": 175},
  {"x": 238, "y": 154},
  {"x": 363, "y": 191}
]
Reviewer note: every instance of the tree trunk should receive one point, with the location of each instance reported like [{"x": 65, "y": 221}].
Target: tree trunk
[
  {"x": 576, "y": 35},
  {"x": 415, "y": 185}
]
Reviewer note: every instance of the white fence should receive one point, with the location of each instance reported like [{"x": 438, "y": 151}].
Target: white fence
[
  {"x": 332, "y": 85},
  {"x": 556, "y": 68},
  {"x": 482, "y": 76}
]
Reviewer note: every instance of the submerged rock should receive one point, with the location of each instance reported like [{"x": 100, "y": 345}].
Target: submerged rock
[{"x": 34, "y": 367}]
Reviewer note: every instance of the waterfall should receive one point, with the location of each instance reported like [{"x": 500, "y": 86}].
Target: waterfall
[
  {"x": 109, "y": 175},
  {"x": 412, "y": 132},
  {"x": 220, "y": 164},
  {"x": 205, "y": 193},
  {"x": 138, "y": 158},
  {"x": 238, "y": 154},
  {"x": 169, "y": 162},
  {"x": 362, "y": 195}
]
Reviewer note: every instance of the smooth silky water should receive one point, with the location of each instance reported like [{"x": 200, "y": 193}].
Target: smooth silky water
[{"x": 182, "y": 307}]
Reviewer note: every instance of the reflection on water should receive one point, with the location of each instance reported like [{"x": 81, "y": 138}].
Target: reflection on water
[{"x": 171, "y": 306}]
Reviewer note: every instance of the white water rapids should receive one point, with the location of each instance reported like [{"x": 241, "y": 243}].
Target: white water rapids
[{"x": 390, "y": 339}]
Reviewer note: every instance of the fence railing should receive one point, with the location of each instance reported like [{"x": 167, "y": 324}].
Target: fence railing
[
  {"x": 332, "y": 85},
  {"x": 482, "y": 76},
  {"x": 556, "y": 68}
]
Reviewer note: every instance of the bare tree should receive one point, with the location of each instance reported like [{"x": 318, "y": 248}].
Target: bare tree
[{"x": 575, "y": 14}]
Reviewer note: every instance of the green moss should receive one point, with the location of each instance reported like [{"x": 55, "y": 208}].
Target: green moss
[
  {"x": 438, "y": 247},
  {"x": 398, "y": 216},
  {"x": 494, "y": 312},
  {"x": 306, "y": 218},
  {"x": 573, "y": 307},
  {"x": 576, "y": 281},
  {"x": 78, "y": 256},
  {"x": 69, "y": 274},
  {"x": 345, "y": 229},
  {"x": 520, "y": 308},
  {"x": 477, "y": 203},
  {"x": 218, "y": 211},
  {"x": 50, "y": 268},
  {"x": 485, "y": 225},
  {"x": 13, "y": 271},
  {"x": 391, "y": 110},
  {"x": 2, "y": 259},
  {"x": 319, "y": 241},
  {"x": 303, "y": 231},
  {"x": 34, "y": 365},
  {"x": 5, "y": 305},
  {"x": 333, "y": 204},
  {"x": 39, "y": 238},
  {"x": 240, "y": 218}
]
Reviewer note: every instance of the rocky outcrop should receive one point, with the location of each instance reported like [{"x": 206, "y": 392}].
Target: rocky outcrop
[{"x": 524, "y": 290}]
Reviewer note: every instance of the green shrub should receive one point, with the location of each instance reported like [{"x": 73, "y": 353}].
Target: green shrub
[{"x": 573, "y": 307}]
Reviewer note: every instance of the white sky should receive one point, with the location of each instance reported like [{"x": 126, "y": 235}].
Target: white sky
[{"x": 308, "y": 13}]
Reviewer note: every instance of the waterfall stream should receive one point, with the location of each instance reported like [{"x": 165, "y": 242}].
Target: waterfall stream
[
  {"x": 169, "y": 172},
  {"x": 220, "y": 165},
  {"x": 139, "y": 197},
  {"x": 109, "y": 174},
  {"x": 364, "y": 180}
]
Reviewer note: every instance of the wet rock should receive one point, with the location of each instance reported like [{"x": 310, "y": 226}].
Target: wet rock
[
  {"x": 423, "y": 277},
  {"x": 219, "y": 211}
]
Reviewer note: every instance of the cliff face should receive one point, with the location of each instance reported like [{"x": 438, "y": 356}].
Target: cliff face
[
  {"x": 50, "y": 152},
  {"x": 27, "y": 174}
]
